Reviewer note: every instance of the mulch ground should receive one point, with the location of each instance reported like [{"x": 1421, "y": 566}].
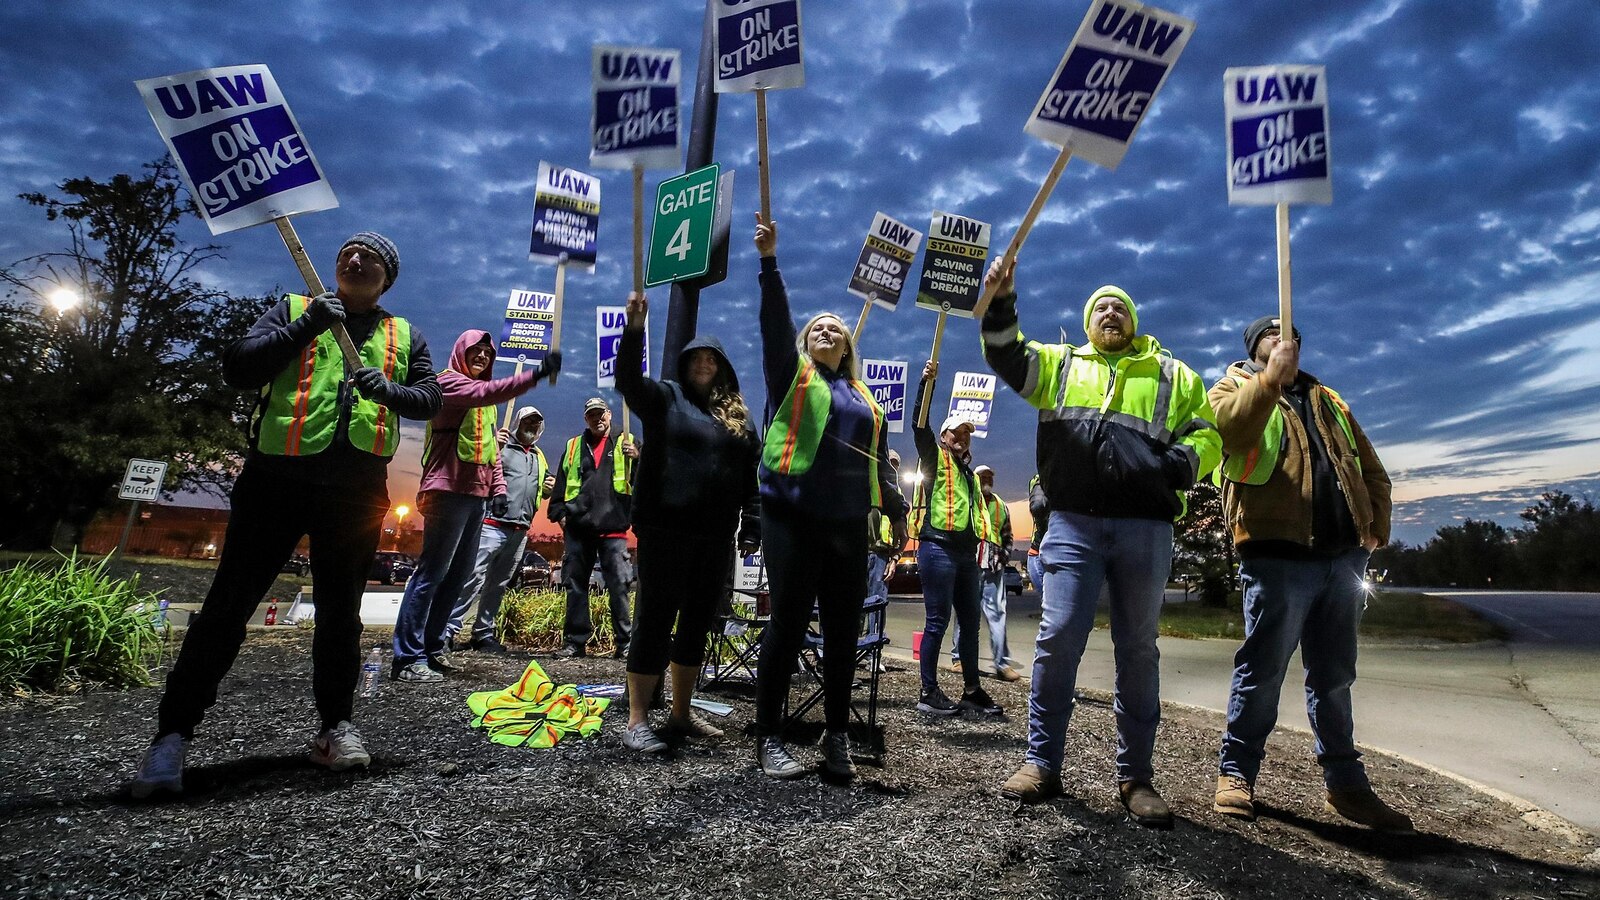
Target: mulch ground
[{"x": 444, "y": 813}]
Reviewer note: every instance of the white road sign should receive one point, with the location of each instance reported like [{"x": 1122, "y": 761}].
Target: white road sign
[{"x": 143, "y": 480}]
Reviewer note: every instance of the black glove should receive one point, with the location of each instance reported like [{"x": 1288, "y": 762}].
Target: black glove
[
  {"x": 499, "y": 505},
  {"x": 372, "y": 384},
  {"x": 325, "y": 310},
  {"x": 550, "y": 366}
]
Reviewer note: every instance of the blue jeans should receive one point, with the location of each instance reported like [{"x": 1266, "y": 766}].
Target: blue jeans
[
  {"x": 948, "y": 580},
  {"x": 1036, "y": 571},
  {"x": 615, "y": 570},
  {"x": 1316, "y": 604},
  {"x": 449, "y": 545},
  {"x": 499, "y": 551},
  {"x": 877, "y": 589},
  {"x": 1081, "y": 554},
  {"x": 992, "y": 593}
]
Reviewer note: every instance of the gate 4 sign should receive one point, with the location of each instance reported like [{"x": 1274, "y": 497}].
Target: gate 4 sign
[
  {"x": 680, "y": 238},
  {"x": 1277, "y": 135},
  {"x": 880, "y": 272},
  {"x": 240, "y": 150},
  {"x": 1108, "y": 78},
  {"x": 530, "y": 323},
  {"x": 886, "y": 379},
  {"x": 973, "y": 397},
  {"x": 143, "y": 479},
  {"x": 758, "y": 45}
]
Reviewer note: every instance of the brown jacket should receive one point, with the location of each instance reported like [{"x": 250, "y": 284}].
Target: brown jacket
[{"x": 1280, "y": 509}]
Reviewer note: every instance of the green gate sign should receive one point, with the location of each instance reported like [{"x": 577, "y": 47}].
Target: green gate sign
[{"x": 680, "y": 235}]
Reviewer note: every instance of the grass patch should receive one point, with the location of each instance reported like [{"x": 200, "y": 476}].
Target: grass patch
[
  {"x": 1390, "y": 615},
  {"x": 64, "y": 622},
  {"x": 534, "y": 619}
]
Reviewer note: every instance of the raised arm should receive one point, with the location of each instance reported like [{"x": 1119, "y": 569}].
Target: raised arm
[
  {"x": 648, "y": 397},
  {"x": 779, "y": 358}
]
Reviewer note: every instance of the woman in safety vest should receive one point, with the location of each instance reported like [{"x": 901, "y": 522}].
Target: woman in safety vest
[
  {"x": 459, "y": 481},
  {"x": 824, "y": 464},
  {"x": 696, "y": 485},
  {"x": 951, "y": 521}
]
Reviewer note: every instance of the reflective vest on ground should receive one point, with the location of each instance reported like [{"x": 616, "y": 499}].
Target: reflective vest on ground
[
  {"x": 299, "y": 412},
  {"x": 475, "y": 441},
  {"x": 571, "y": 462},
  {"x": 1256, "y": 466},
  {"x": 796, "y": 428},
  {"x": 947, "y": 504}
]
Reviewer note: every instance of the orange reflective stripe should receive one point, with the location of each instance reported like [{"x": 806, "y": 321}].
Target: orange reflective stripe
[
  {"x": 948, "y": 463},
  {"x": 390, "y": 346},
  {"x": 302, "y": 399},
  {"x": 795, "y": 414},
  {"x": 1250, "y": 460}
]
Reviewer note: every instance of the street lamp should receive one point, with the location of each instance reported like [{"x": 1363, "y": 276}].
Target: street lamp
[{"x": 400, "y": 513}]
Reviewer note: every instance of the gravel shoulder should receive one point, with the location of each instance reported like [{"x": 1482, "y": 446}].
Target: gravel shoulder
[{"x": 444, "y": 813}]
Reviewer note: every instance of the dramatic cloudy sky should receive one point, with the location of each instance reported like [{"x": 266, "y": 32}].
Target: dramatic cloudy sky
[{"x": 1451, "y": 291}]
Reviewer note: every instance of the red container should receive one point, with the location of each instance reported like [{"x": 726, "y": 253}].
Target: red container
[{"x": 916, "y": 645}]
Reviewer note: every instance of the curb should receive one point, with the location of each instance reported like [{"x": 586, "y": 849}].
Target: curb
[{"x": 1537, "y": 817}]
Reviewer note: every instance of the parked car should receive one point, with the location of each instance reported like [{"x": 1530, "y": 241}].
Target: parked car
[
  {"x": 390, "y": 567},
  {"x": 1013, "y": 573},
  {"x": 533, "y": 572},
  {"x": 298, "y": 564}
]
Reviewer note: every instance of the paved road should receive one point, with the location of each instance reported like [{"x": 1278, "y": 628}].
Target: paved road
[{"x": 1522, "y": 716}]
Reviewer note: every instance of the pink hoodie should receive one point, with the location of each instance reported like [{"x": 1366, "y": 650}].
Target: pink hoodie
[{"x": 445, "y": 470}]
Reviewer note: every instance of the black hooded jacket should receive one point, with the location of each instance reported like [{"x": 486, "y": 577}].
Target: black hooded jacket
[{"x": 695, "y": 476}]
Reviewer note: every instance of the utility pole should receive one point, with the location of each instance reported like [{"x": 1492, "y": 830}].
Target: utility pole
[{"x": 683, "y": 310}]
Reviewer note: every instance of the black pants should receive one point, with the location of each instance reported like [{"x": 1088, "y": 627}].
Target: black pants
[
  {"x": 269, "y": 516},
  {"x": 810, "y": 563},
  {"x": 681, "y": 579},
  {"x": 576, "y": 563}
]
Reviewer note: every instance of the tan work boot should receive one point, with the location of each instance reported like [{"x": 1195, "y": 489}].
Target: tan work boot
[
  {"x": 1031, "y": 784},
  {"x": 1006, "y": 673},
  {"x": 1361, "y": 806},
  {"x": 1234, "y": 797},
  {"x": 1144, "y": 805},
  {"x": 956, "y": 667}
]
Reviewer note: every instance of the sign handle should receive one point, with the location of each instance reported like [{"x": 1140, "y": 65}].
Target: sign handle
[
  {"x": 1027, "y": 225},
  {"x": 555, "y": 329},
  {"x": 763, "y": 166},
  {"x": 352, "y": 356},
  {"x": 927, "y": 388},
  {"x": 511, "y": 404},
  {"x": 861, "y": 322},
  {"x": 1285, "y": 310},
  {"x": 638, "y": 228}
]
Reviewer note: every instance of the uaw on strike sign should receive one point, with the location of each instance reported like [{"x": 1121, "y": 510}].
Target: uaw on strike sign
[
  {"x": 886, "y": 379},
  {"x": 1108, "y": 78},
  {"x": 238, "y": 146},
  {"x": 635, "y": 116},
  {"x": 1277, "y": 135}
]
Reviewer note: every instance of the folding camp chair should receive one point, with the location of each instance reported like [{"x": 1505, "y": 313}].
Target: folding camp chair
[
  {"x": 866, "y": 735},
  {"x": 734, "y": 646}
]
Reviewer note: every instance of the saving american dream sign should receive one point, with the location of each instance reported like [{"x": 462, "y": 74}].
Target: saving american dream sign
[
  {"x": 758, "y": 45},
  {"x": 1105, "y": 83},
  {"x": 635, "y": 116},
  {"x": 952, "y": 268},
  {"x": 241, "y": 152},
  {"x": 566, "y": 217},
  {"x": 1277, "y": 119}
]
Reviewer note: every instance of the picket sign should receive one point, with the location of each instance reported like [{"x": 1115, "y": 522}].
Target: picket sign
[
  {"x": 244, "y": 158},
  {"x": 881, "y": 270},
  {"x": 1276, "y": 122},
  {"x": 759, "y": 48},
  {"x": 540, "y": 317},
  {"x": 1098, "y": 96},
  {"x": 952, "y": 278}
]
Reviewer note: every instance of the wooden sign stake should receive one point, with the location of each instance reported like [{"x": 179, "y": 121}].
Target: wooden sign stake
[
  {"x": 352, "y": 356},
  {"x": 1027, "y": 225},
  {"x": 1285, "y": 310},
  {"x": 927, "y": 389}
]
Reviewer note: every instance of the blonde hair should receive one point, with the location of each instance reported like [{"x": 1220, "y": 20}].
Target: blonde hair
[
  {"x": 727, "y": 407},
  {"x": 849, "y": 364}
]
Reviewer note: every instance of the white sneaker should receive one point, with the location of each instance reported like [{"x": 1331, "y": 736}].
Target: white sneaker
[
  {"x": 162, "y": 767},
  {"x": 340, "y": 748},
  {"x": 418, "y": 673},
  {"x": 643, "y": 739}
]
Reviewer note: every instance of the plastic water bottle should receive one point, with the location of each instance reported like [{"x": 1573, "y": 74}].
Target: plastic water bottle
[{"x": 370, "y": 670}]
